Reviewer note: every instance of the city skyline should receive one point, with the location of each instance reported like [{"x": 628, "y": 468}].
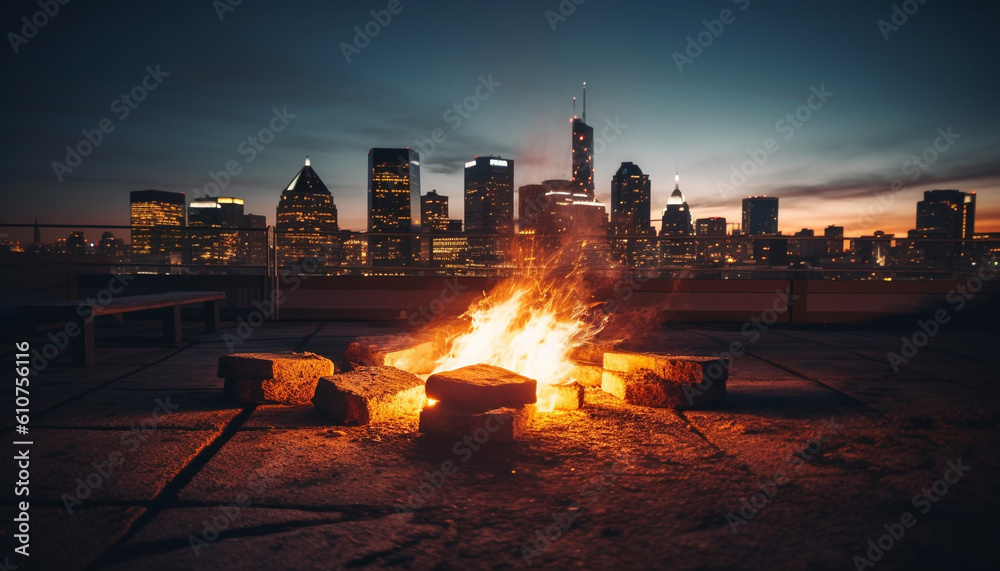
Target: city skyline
[{"x": 846, "y": 120}]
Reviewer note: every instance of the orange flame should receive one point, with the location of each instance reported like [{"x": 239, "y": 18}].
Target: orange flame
[{"x": 529, "y": 326}]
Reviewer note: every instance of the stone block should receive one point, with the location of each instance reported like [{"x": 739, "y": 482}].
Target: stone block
[
  {"x": 283, "y": 367},
  {"x": 369, "y": 394},
  {"x": 680, "y": 369},
  {"x": 480, "y": 388},
  {"x": 498, "y": 425},
  {"x": 645, "y": 388}
]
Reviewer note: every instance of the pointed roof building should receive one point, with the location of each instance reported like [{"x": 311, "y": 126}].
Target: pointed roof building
[
  {"x": 676, "y": 216},
  {"x": 306, "y": 181},
  {"x": 306, "y": 220}
]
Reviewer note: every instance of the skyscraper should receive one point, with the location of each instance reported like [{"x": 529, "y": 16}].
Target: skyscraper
[
  {"x": 942, "y": 215},
  {"x": 630, "y": 201},
  {"x": 489, "y": 207},
  {"x": 306, "y": 221},
  {"x": 760, "y": 215},
  {"x": 213, "y": 230},
  {"x": 949, "y": 214},
  {"x": 157, "y": 220},
  {"x": 676, "y": 216},
  {"x": 489, "y": 195},
  {"x": 632, "y": 241},
  {"x": 675, "y": 228},
  {"x": 583, "y": 151},
  {"x": 393, "y": 204},
  {"x": 434, "y": 212}
]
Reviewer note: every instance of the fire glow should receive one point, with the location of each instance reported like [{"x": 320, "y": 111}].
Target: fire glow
[{"x": 525, "y": 325}]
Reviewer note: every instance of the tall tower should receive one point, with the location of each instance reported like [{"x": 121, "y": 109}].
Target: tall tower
[
  {"x": 630, "y": 201},
  {"x": 489, "y": 207},
  {"x": 583, "y": 151},
  {"x": 489, "y": 196},
  {"x": 306, "y": 220},
  {"x": 677, "y": 215},
  {"x": 393, "y": 204},
  {"x": 37, "y": 236}
]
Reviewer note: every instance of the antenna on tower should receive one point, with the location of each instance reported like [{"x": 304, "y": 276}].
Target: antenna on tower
[
  {"x": 574, "y": 107},
  {"x": 584, "y": 101}
]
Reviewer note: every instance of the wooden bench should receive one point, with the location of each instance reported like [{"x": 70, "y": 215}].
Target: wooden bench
[{"x": 78, "y": 316}]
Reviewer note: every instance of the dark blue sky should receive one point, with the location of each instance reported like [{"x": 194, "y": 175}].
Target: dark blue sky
[{"x": 889, "y": 98}]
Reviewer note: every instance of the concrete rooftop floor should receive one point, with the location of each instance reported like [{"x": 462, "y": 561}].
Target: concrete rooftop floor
[{"x": 630, "y": 487}]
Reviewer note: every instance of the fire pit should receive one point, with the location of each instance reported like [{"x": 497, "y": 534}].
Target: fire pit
[{"x": 524, "y": 347}]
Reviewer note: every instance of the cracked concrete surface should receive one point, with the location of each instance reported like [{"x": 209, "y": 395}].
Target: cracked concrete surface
[{"x": 274, "y": 487}]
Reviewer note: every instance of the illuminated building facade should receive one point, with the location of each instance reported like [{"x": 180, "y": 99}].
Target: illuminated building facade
[
  {"x": 489, "y": 208},
  {"x": 306, "y": 226},
  {"x": 942, "y": 215},
  {"x": 213, "y": 230},
  {"x": 712, "y": 242},
  {"x": 630, "y": 201},
  {"x": 631, "y": 227},
  {"x": 393, "y": 205},
  {"x": 434, "y": 212},
  {"x": 675, "y": 227},
  {"x": 489, "y": 196},
  {"x": 355, "y": 253},
  {"x": 948, "y": 214},
  {"x": 760, "y": 215},
  {"x": 835, "y": 245},
  {"x": 583, "y": 151},
  {"x": 677, "y": 215},
  {"x": 158, "y": 222}
]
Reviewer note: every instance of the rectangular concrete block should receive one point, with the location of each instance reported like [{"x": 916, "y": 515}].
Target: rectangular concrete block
[
  {"x": 400, "y": 351},
  {"x": 645, "y": 388},
  {"x": 286, "y": 378},
  {"x": 369, "y": 394},
  {"x": 282, "y": 367},
  {"x": 560, "y": 397},
  {"x": 680, "y": 369},
  {"x": 480, "y": 388},
  {"x": 587, "y": 375},
  {"x": 498, "y": 425}
]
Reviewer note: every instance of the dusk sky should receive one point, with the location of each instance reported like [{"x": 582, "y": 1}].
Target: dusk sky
[{"x": 222, "y": 77}]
